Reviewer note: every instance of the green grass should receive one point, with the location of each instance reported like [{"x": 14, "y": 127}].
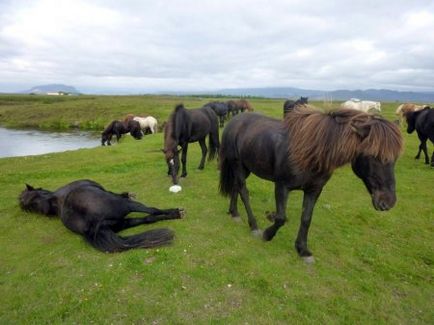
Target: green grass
[{"x": 371, "y": 267}]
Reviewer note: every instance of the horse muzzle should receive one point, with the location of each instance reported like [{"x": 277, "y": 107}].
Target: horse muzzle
[{"x": 383, "y": 201}]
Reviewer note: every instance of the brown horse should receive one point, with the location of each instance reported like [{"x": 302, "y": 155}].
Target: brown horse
[
  {"x": 118, "y": 128},
  {"x": 301, "y": 153},
  {"x": 186, "y": 126}
]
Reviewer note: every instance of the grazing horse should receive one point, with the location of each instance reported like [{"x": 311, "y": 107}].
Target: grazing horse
[
  {"x": 407, "y": 107},
  {"x": 233, "y": 109},
  {"x": 300, "y": 153},
  {"x": 244, "y": 105},
  {"x": 118, "y": 128},
  {"x": 423, "y": 122},
  {"x": 87, "y": 209},
  {"x": 290, "y": 104},
  {"x": 186, "y": 126},
  {"x": 221, "y": 109},
  {"x": 366, "y": 106},
  {"x": 147, "y": 123}
]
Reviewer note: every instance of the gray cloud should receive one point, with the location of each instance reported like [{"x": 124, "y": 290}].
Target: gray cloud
[{"x": 172, "y": 45}]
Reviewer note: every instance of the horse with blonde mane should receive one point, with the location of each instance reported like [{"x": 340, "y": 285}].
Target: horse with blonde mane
[
  {"x": 300, "y": 153},
  {"x": 406, "y": 108}
]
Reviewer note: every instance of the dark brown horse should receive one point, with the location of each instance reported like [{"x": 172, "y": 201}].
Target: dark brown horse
[
  {"x": 423, "y": 122},
  {"x": 301, "y": 153},
  {"x": 118, "y": 128},
  {"x": 186, "y": 126},
  {"x": 87, "y": 209}
]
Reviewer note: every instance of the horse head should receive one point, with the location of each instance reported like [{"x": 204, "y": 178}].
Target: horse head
[
  {"x": 38, "y": 200},
  {"x": 379, "y": 179},
  {"x": 374, "y": 164},
  {"x": 172, "y": 159}
]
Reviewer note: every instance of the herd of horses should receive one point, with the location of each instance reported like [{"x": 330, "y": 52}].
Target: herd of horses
[{"x": 299, "y": 152}]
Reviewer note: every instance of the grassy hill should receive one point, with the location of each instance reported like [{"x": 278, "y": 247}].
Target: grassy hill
[{"x": 371, "y": 267}]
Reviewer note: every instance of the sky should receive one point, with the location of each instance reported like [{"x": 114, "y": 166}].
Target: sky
[{"x": 186, "y": 45}]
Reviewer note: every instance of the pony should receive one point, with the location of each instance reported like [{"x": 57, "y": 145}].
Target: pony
[
  {"x": 86, "y": 208},
  {"x": 186, "y": 126},
  {"x": 118, "y": 128},
  {"x": 147, "y": 123},
  {"x": 233, "y": 109},
  {"x": 407, "y": 107},
  {"x": 300, "y": 153},
  {"x": 290, "y": 104},
  {"x": 366, "y": 106},
  {"x": 244, "y": 105},
  {"x": 221, "y": 109},
  {"x": 423, "y": 122}
]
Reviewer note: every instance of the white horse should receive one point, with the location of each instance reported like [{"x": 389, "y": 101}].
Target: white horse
[
  {"x": 366, "y": 106},
  {"x": 147, "y": 123}
]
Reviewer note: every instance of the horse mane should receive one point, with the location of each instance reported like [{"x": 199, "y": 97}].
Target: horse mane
[
  {"x": 174, "y": 126},
  {"x": 324, "y": 141}
]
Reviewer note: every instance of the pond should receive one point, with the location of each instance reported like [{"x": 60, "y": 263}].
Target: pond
[{"x": 31, "y": 142}]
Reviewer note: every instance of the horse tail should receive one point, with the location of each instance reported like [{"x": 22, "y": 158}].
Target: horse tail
[
  {"x": 213, "y": 139},
  {"x": 106, "y": 240},
  {"x": 226, "y": 160}
]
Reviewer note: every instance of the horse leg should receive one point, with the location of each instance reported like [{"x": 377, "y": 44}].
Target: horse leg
[
  {"x": 204, "y": 152},
  {"x": 134, "y": 206},
  {"x": 432, "y": 159},
  {"x": 425, "y": 151},
  {"x": 281, "y": 196},
  {"x": 109, "y": 139},
  {"x": 184, "y": 159},
  {"x": 309, "y": 200},
  {"x": 244, "y": 193},
  {"x": 233, "y": 205}
]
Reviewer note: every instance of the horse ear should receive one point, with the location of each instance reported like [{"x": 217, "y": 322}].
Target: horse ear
[
  {"x": 362, "y": 130},
  {"x": 29, "y": 187}
]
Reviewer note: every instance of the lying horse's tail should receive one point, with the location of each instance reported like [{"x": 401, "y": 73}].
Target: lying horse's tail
[
  {"x": 106, "y": 240},
  {"x": 213, "y": 137}
]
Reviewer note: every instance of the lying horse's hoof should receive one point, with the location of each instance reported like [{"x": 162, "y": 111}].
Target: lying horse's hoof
[
  {"x": 308, "y": 259},
  {"x": 257, "y": 233},
  {"x": 181, "y": 213},
  {"x": 131, "y": 195}
]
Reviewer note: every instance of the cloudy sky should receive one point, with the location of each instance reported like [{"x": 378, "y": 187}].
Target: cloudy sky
[{"x": 145, "y": 46}]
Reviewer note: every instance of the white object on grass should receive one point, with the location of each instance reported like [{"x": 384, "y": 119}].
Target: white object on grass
[{"x": 175, "y": 188}]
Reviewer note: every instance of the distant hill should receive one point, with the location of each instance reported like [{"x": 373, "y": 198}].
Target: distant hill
[
  {"x": 368, "y": 94},
  {"x": 53, "y": 88}
]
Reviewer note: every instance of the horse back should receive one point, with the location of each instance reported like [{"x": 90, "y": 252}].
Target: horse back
[
  {"x": 258, "y": 142},
  {"x": 425, "y": 122}
]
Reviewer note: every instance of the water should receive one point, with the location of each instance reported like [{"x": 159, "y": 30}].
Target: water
[{"x": 31, "y": 142}]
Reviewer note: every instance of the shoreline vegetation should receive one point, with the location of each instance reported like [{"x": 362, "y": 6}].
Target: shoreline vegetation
[{"x": 371, "y": 267}]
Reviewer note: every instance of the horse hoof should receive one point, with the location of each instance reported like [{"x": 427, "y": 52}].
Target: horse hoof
[
  {"x": 131, "y": 195},
  {"x": 308, "y": 259},
  {"x": 237, "y": 219},
  {"x": 181, "y": 213},
  {"x": 257, "y": 233}
]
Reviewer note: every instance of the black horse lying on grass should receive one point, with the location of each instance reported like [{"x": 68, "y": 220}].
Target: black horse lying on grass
[
  {"x": 301, "y": 153},
  {"x": 118, "y": 128},
  {"x": 423, "y": 122},
  {"x": 86, "y": 208}
]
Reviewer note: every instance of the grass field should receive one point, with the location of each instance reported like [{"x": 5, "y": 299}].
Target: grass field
[{"x": 371, "y": 267}]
